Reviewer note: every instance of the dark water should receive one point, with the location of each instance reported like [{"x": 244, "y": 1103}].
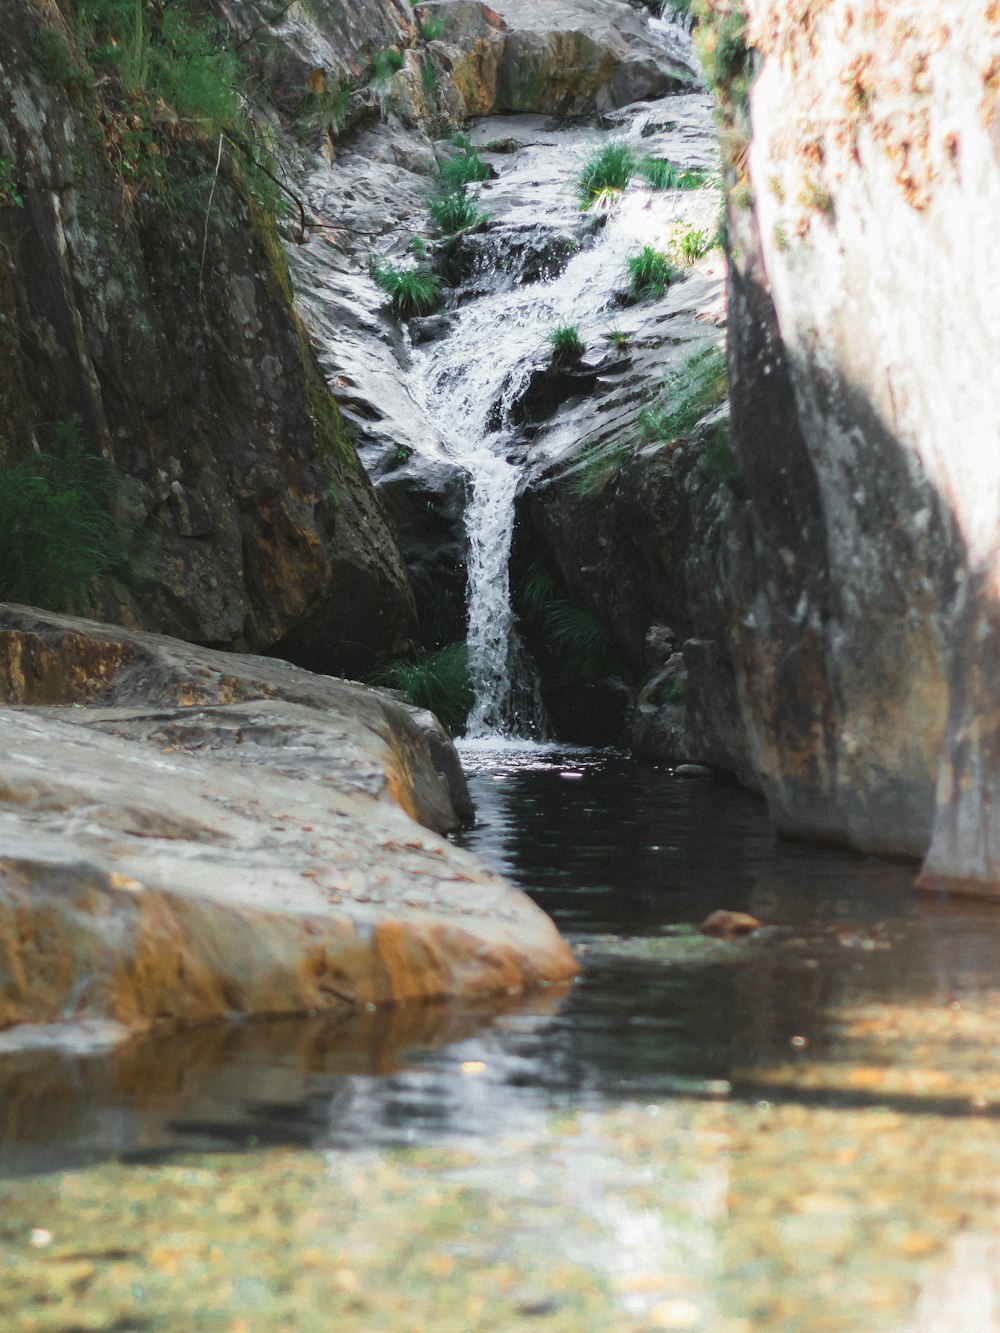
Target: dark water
[{"x": 626, "y": 857}]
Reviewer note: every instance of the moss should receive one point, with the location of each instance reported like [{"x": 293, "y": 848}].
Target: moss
[{"x": 331, "y": 442}]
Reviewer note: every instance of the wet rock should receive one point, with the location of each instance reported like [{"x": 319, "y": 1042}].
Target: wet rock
[
  {"x": 204, "y": 834},
  {"x": 724, "y": 925}
]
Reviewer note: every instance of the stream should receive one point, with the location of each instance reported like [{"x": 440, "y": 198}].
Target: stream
[{"x": 798, "y": 1130}]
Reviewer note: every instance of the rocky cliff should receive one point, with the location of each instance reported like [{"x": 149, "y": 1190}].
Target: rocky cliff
[
  {"x": 147, "y": 320},
  {"x": 863, "y": 300}
]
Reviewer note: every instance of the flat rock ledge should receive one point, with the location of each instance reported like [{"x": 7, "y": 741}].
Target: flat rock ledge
[{"x": 188, "y": 834}]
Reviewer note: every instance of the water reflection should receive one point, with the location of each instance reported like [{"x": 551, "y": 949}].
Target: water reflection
[{"x": 858, "y": 992}]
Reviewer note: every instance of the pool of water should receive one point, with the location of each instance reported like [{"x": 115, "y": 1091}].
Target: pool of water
[
  {"x": 797, "y": 1131},
  {"x": 627, "y": 857}
]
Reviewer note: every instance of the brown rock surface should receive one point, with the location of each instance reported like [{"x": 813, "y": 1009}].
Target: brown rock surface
[
  {"x": 210, "y": 835},
  {"x": 862, "y": 590}
]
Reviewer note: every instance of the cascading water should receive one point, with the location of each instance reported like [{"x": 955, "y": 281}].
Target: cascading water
[{"x": 470, "y": 381}]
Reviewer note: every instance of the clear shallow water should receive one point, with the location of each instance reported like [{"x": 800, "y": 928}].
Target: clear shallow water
[{"x": 626, "y": 857}]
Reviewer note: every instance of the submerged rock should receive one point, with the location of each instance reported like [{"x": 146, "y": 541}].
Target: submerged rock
[{"x": 188, "y": 834}]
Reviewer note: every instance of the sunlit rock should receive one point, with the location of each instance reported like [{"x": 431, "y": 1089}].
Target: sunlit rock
[{"x": 187, "y": 834}]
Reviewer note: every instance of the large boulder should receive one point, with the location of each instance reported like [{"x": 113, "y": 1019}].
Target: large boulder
[
  {"x": 563, "y": 58},
  {"x": 864, "y": 295},
  {"x": 188, "y": 834}
]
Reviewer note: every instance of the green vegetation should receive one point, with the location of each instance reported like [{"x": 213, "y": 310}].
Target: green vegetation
[
  {"x": 661, "y": 175},
  {"x": 688, "y": 395},
  {"x": 670, "y": 692},
  {"x": 570, "y": 632},
  {"x": 814, "y": 196},
  {"x": 57, "y": 534},
  {"x": 719, "y": 457},
  {"x": 413, "y": 291},
  {"x": 693, "y": 244},
  {"x": 57, "y": 61},
  {"x": 428, "y": 79},
  {"x": 437, "y": 680},
  {"x": 619, "y": 339},
  {"x": 566, "y": 343},
  {"x": 722, "y": 49},
  {"x": 462, "y": 167},
  {"x": 167, "y": 79},
  {"x": 455, "y": 212},
  {"x": 650, "y": 272},
  {"x": 596, "y": 466},
  {"x": 606, "y": 173},
  {"x": 432, "y": 28},
  {"x": 383, "y": 66},
  {"x": 325, "y": 110},
  {"x": 9, "y": 192}
]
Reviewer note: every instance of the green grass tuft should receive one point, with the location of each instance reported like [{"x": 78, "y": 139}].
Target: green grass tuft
[
  {"x": 455, "y": 212},
  {"x": 687, "y": 395},
  {"x": 692, "y": 244},
  {"x": 606, "y": 173},
  {"x": 383, "y": 65},
  {"x": 432, "y": 28},
  {"x": 57, "y": 534},
  {"x": 437, "y": 680},
  {"x": 661, "y": 175},
  {"x": 9, "y": 191},
  {"x": 597, "y": 465},
  {"x": 412, "y": 291},
  {"x": 566, "y": 343},
  {"x": 463, "y": 167},
  {"x": 650, "y": 272}
]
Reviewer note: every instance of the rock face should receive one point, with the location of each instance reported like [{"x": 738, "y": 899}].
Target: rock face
[
  {"x": 563, "y": 58},
  {"x": 164, "y": 329},
  {"x": 188, "y": 834},
  {"x": 863, "y": 312}
]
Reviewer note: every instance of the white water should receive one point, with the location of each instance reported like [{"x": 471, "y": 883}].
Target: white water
[{"x": 470, "y": 380}]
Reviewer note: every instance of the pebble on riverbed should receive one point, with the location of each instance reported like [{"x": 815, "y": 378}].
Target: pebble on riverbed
[{"x": 723, "y": 925}]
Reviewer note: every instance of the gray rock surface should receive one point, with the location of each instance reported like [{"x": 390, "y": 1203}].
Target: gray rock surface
[
  {"x": 175, "y": 345},
  {"x": 186, "y": 834}
]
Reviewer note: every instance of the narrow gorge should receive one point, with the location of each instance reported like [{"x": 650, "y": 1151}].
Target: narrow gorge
[{"x": 499, "y": 636}]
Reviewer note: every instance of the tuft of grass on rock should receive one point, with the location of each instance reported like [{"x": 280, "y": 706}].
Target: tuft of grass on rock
[
  {"x": 650, "y": 272},
  {"x": 566, "y": 343},
  {"x": 455, "y": 212},
  {"x": 462, "y": 167},
  {"x": 57, "y": 532},
  {"x": 383, "y": 66},
  {"x": 688, "y": 395},
  {"x": 570, "y": 632},
  {"x": 597, "y": 465},
  {"x": 412, "y": 291},
  {"x": 606, "y": 173},
  {"x": 661, "y": 175},
  {"x": 693, "y": 243}
]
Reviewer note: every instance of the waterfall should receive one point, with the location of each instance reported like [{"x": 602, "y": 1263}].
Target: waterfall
[{"x": 470, "y": 380}]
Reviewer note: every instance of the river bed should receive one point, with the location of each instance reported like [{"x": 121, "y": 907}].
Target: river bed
[{"x": 795, "y": 1131}]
